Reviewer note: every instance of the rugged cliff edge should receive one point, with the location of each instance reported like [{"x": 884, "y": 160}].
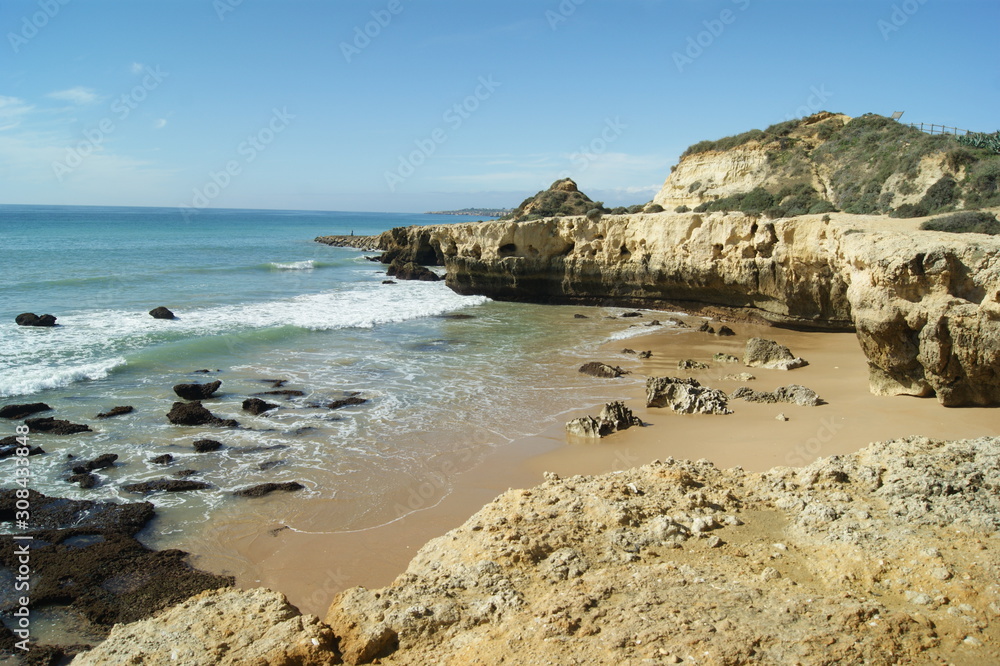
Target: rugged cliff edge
[
  {"x": 925, "y": 305},
  {"x": 884, "y": 556}
]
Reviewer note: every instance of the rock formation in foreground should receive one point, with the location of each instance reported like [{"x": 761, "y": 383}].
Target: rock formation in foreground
[
  {"x": 884, "y": 556},
  {"x": 925, "y": 305}
]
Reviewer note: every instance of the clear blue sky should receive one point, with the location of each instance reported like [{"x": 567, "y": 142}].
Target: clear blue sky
[{"x": 139, "y": 102}]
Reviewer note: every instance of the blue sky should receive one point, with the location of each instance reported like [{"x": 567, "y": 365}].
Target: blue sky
[{"x": 447, "y": 104}]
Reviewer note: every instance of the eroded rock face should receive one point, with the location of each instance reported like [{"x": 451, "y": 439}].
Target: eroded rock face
[
  {"x": 571, "y": 561},
  {"x": 794, "y": 394},
  {"x": 761, "y": 353},
  {"x": 685, "y": 396},
  {"x": 614, "y": 416},
  {"x": 925, "y": 305},
  {"x": 226, "y": 626}
]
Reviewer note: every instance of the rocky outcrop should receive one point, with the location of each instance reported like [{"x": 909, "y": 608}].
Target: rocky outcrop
[
  {"x": 164, "y": 485},
  {"x": 120, "y": 410},
  {"x": 197, "y": 391},
  {"x": 31, "y": 319},
  {"x": 267, "y": 488},
  {"x": 195, "y": 414},
  {"x": 925, "y": 305},
  {"x": 854, "y": 559},
  {"x": 357, "y": 242},
  {"x": 411, "y": 271},
  {"x": 794, "y": 394},
  {"x": 227, "y": 627},
  {"x": 761, "y": 353},
  {"x": 602, "y": 370},
  {"x": 256, "y": 406},
  {"x": 614, "y": 416},
  {"x": 54, "y": 426},
  {"x": 22, "y": 411},
  {"x": 685, "y": 396},
  {"x": 162, "y": 313}
]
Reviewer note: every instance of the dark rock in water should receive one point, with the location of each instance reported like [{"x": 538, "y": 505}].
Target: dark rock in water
[
  {"x": 31, "y": 319},
  {"x": 259, "y": 449},
  {"x": 655, "y": 322},
  {"x": 580, "y": 316},
  {"x": 22, "y": 411},
  {"x": 291, "y": 393},
  {"x": 264, "y": 466},
  {"x": 686, "y": 396},
  {"x": 268, "y": 488},
  {"x": 100, "y": 462},
  {"x": 614, "y": 416},
  {"x": 165, "y": 485},
  {"x": 347, "y": 402},
  {"x": 203, "y": 371},
  {"x": 411, "y": 271},
  {"x": 206, "y": 445},
  {"x": 85, "y": 560},
  {"x": 631, "y": 314},
  {"x": 10, "y": 445},
  {"x": 389, "y": 282},
  {"x": 678, "y": 323},
  {"x": 161, "y": 313},
  {"x": 256, "y": 406},
  {"x": 116, "y": 411},
  {"x": 197, "y": 391},
  {"x": 165, "y": 459},
  {"x": 603, "y": 370},
  {"x": 85, "y": 479},
  {"x": 628, "y": 351},
  {"x": 184, "y": 473},
  {"x": 456, "y": 316},
  {"x": 645, "y": 354},
  {"x": 195, "y": 414},
  {"x": 725, "y": 331},
  {"x": 705, "y": 328},
  {"x": 275, "y": 383},
  {"x": 53, "y": 426}
]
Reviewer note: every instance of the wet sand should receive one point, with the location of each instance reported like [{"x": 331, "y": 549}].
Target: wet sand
[{"x": 311, "y": 568}]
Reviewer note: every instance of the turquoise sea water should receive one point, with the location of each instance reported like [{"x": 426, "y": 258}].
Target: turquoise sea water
[{"x": 447, "y": 377}]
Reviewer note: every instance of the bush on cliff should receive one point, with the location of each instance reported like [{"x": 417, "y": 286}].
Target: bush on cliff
[
  {"x": 562, "y": 199},
  {"x": 789, "y": 202},
  {"x": 968, "y": 222}
]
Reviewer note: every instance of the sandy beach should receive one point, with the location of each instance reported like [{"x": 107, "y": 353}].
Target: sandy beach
[{"x": 311, "y": 568}]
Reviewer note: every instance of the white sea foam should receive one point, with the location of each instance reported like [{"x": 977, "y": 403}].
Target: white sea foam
[
  {"x": 307, "y": 265},
  {"x": 24, "y": 381}
]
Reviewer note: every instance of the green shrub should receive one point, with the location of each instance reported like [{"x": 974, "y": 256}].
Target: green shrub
[
  {"x": 653, "y": 208},
  {"x": 822, "y": 206},
  {"x": 967, "y": 222},
  {"x": 696, "y": 185},
  {"x": 682, "y": 209},
  {"x": 636, "y": 208},
  {"x": 619, "y": 210},
  {"x": 990, "y": 142}
]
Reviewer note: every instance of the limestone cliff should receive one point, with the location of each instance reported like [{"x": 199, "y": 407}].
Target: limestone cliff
[{"x": 925, "y": 305}]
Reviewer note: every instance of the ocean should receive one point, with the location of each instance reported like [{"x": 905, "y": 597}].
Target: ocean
[{"x": 446, "y": 378}]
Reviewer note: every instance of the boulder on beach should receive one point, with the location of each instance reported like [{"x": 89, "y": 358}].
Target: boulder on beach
[
  {"x": 411, "y": 271},
  {"x": 22, "y": 411},
  {"x": 31, "y": 319},
  {"x": 195, "y": 414},
  {"x": 53, "y": 426},
  {"x": 197, "y": 391},
  {"x": 603, "y": 370},
  {"x": 116, "y": 411},
  {"x": 267, "y": 488},
  {"x": 761, "y": 353},
  {"x": 706, "y": 328},
  {"x": 689, "y": 364},
  {"x": 614, "y": 416},
  {"x": 165, "y": 485},
  {"x": 725, "y": 358},
  {"x": 725, "y": 331},
  {"x": 685, "y": 396},
  {"x": 161, "y": 313},
  {"x": 794, "y": 394},
  {"x": 164, "y": 459},
  {"x": 256, "y": 406}
]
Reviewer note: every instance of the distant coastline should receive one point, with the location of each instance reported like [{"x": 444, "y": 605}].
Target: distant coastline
[{"x": 484, "y": 212}]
